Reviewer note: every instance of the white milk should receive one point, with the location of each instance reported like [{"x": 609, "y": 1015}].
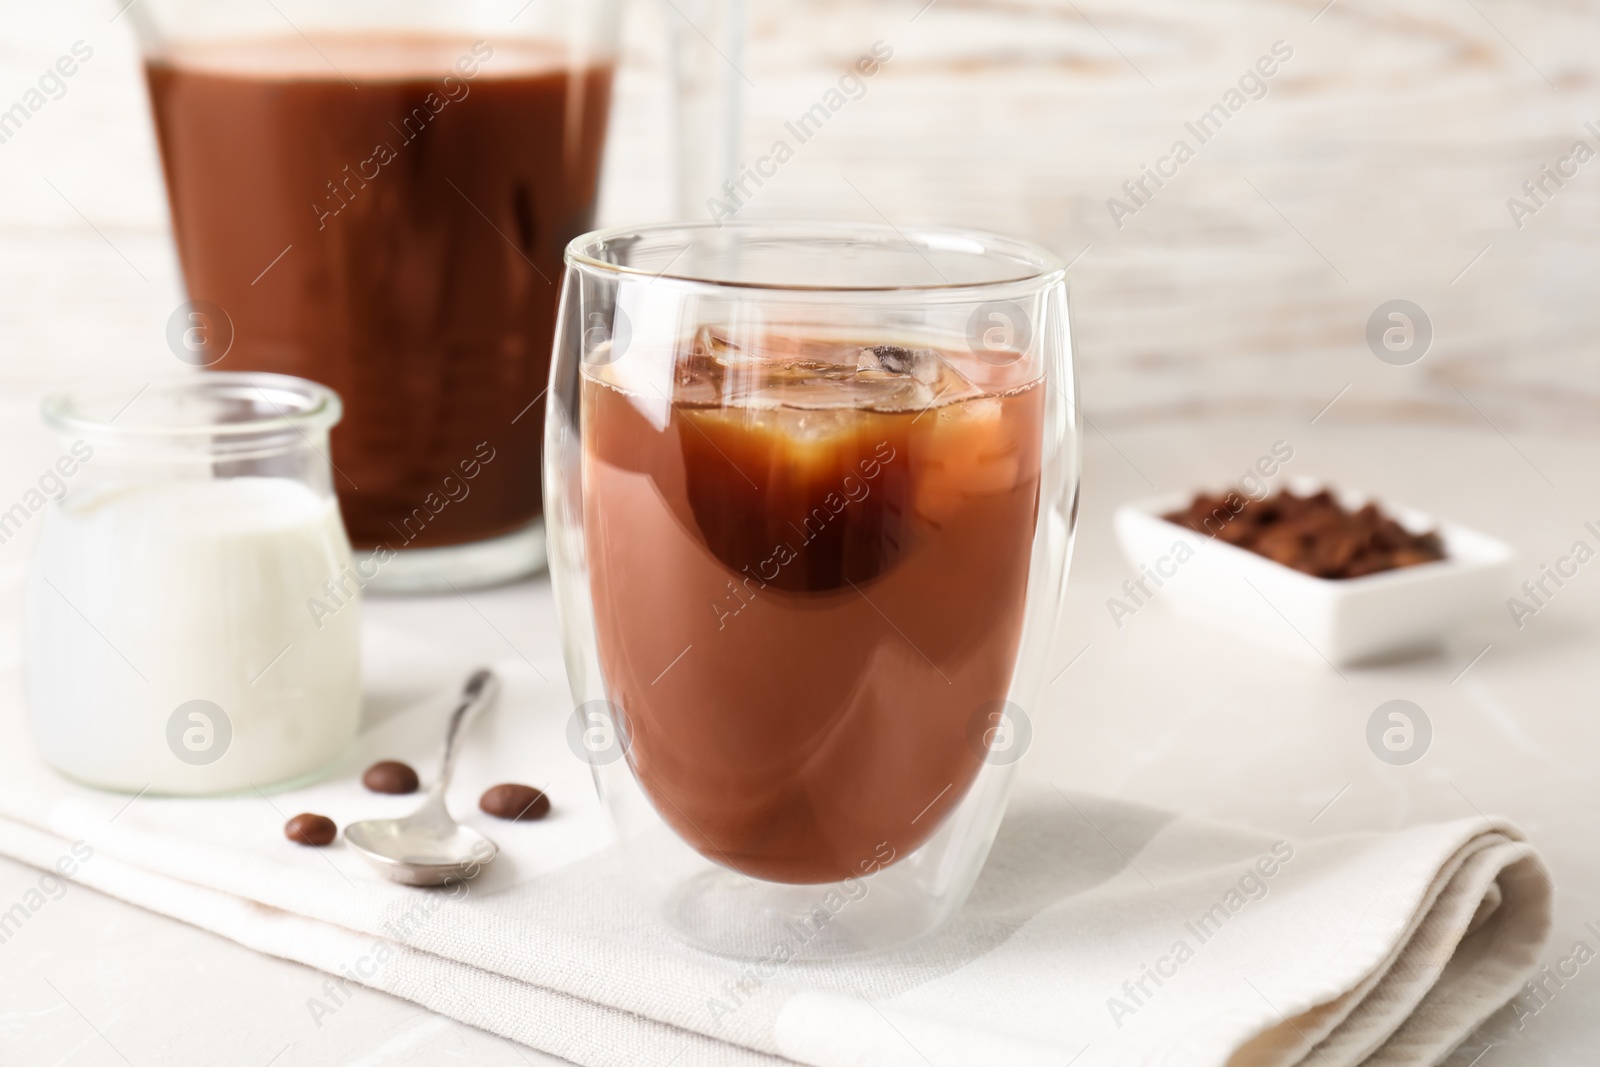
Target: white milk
[{"x": 145, "y": 597}]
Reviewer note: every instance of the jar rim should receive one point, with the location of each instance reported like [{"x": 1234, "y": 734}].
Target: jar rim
[
  {"x": 1016, "y": 262},
  {"x": 94, "y": 409}
]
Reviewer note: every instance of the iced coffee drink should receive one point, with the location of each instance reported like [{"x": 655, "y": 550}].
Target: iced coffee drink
[{"x": 808, "y": 560}]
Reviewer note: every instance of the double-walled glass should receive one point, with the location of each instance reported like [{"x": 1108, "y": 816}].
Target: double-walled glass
[{"x": 811, "y": 492}]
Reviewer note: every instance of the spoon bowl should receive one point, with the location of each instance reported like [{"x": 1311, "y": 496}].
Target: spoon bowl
[
  {"x": 428, "y": 847},
  {"x": 421, "y": 853}
]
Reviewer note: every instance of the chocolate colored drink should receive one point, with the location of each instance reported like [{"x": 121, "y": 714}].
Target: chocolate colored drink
[
  {"x": 387, "y": 215},
  {"x": 808, "y": 578}
]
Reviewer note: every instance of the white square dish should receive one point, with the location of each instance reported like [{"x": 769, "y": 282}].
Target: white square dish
[{"x": 1337, "y": 621}]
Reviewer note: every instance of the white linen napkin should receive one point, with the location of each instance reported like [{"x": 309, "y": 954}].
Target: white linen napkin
[{"x": 1100, "y": 933}]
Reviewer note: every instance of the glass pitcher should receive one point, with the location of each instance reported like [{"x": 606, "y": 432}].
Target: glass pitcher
[{"x": 375, "y": 196}]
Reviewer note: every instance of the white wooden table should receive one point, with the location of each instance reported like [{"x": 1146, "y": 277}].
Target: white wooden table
[{"x": 1156, "y": 711}]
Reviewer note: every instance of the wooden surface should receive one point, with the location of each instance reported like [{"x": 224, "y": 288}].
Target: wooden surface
[{"x": 1377, "y": 166}]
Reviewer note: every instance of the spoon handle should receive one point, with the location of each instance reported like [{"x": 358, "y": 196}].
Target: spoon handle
[{"x": 481, "y": 689}]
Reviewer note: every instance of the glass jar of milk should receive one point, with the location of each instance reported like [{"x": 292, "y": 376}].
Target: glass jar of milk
[{"x": 193, "y": 616}]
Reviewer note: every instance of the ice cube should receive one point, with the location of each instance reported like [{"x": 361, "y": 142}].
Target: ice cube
[
  {"x": 923, "y": 364},
  {"x": 813, "y": 374},
  {"x": 712, "y": 344},
  {"x": 875, "y": 390}
]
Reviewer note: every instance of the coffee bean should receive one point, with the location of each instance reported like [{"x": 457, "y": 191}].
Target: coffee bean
[
  {"x": 1314, "y": 534},
  {"x": 510, "y": 801},
  {"x": 310, "y": 829},
  {"x": 390, "y": 776}
]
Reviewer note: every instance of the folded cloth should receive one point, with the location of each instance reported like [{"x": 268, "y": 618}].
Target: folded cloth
[{"x": 1100, "y": 933}]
